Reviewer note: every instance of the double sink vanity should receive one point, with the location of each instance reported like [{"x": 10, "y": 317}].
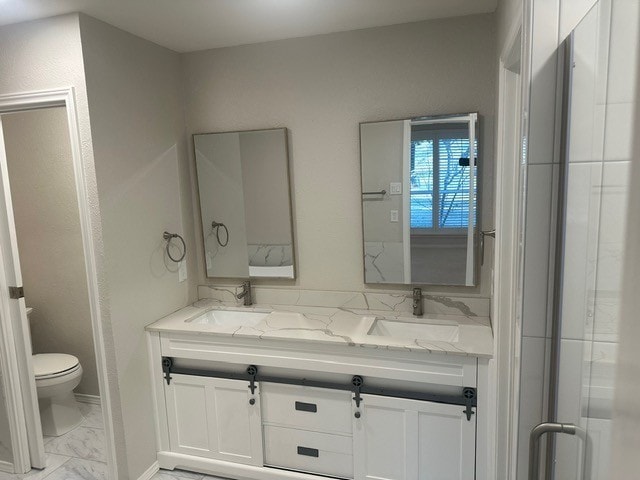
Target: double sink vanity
[{"x": 284, "y": 391}]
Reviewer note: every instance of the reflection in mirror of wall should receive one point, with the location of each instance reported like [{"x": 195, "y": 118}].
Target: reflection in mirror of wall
[
  {"x": 245, "y": 203},
  {"x": 419, "y": 200}
]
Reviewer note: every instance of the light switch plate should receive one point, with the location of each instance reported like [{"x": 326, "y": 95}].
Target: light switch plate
[
  {"x": 182, "y": 271},
  {"x": 394, "y": 215},
  {"x": 395, "y": 188}
]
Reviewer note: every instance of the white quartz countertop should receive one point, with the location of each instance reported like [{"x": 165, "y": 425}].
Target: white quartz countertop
[{"x": 340, "y": 326}]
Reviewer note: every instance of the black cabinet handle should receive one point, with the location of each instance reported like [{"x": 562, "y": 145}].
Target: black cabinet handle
[
  {"x": 306, "y": 407},
  {"x": 309, "y": 452}
]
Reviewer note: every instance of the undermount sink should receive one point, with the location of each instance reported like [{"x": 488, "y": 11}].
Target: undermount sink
[
  {"x": 230, "y": 318},
  {"x": 415, "y": 331}
]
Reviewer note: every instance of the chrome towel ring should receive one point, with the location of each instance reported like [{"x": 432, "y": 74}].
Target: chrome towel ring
[
  {"x": 168, "y": 237},
  {"x": 216, "y": 226}
]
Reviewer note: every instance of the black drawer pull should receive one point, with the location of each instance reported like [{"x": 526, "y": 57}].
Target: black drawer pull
[
  {"x": 309, "y": 452},
  {"x": 306, "y": 407}
]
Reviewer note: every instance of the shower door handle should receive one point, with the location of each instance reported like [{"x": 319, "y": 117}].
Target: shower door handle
[{"x": 534, "y": 442}]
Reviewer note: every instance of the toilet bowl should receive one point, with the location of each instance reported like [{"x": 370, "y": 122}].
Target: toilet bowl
[{"x": 57, "y": 374}]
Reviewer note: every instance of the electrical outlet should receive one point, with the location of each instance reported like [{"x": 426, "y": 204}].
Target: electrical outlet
[
  {"x": 182, "y": 271},
  {"x": 394, "y": 215},
  {"x": 395, "y": 188}
]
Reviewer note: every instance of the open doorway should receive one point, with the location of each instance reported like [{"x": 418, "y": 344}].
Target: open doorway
[
  {"x": 52, "y": 360},
  {"x": 49, "y": 241}
]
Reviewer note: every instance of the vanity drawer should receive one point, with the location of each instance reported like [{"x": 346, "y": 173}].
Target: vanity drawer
[
  {"x": 307, "y": 408},
  {"x": 306, "y": 451}
]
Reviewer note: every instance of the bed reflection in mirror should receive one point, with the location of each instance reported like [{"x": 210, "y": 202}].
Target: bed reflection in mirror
[
  {"x": 419, "y": 200},
  {"x": 245, "y": 203}
]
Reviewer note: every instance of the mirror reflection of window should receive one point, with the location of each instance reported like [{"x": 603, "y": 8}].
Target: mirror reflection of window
[
  {"x": 419, "y": 200},
  {"x": 440, "y": 180}
]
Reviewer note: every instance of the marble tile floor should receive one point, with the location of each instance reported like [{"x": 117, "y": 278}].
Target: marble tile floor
[
  {"x": 80, "y": 455},
  {"x": 182, "y": 475},
  {"x": 77, "y": 455}
]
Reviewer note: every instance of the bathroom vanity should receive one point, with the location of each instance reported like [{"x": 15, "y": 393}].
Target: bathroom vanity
[{"x": 302, "y": 392}]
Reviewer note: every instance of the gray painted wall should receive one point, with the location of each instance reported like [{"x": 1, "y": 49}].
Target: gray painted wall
[
  {"x": 137, "y": 126},
  {"x": 47, "y": 54},
  {"x": 321, "y": 88}
]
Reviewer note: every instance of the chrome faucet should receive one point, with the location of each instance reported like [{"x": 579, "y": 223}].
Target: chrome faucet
[
  {"x": 417, "y": 302},
  {"x": 245, "y": 293}
]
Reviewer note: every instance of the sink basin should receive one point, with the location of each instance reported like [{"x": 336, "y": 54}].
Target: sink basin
[
  {"x": 415, "y": 331},
  {"x": 230, "y": 318}
]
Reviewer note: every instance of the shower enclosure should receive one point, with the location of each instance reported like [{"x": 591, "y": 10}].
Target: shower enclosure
[{"x": 575, "y": 222}]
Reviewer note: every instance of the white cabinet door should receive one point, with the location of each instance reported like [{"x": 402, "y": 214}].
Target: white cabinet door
[
  {"x": 400, "y": 439},
  {"x": 212, "y": 418}
]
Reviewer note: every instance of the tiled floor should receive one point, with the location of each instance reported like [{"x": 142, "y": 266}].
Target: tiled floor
[
  {"x": 182, "y": 475},
  {"x": 78, "y": 455}
]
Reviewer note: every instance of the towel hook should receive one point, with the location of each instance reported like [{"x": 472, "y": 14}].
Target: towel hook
[{"x": 168, "y": 237}]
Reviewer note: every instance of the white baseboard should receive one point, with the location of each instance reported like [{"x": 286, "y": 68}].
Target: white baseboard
[
  {"x": 84, "y": 398},
  {"x": 150, "y": 472},
  {"x": 6, "y": 467}
]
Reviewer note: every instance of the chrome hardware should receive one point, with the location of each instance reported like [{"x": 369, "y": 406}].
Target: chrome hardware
[
  {"x": 417, "y": 302},
  {"x": 381, "y": 192},
  {"x": 245, "y": 293},
  {"x": 168, "y": 237},
  {"x": 534, "y": 442},
  {"x": 216, "y": 226}
]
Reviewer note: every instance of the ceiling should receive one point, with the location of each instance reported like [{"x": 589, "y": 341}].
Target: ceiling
[{"x": 188, "y": 25}]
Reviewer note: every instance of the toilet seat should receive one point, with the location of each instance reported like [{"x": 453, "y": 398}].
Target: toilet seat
[{"x": 53, "y": 365}]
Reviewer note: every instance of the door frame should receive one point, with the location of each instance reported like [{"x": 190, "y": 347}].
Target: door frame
[
  {"x": 507, "y": 268},
  {"x": 63, "y": 97}
]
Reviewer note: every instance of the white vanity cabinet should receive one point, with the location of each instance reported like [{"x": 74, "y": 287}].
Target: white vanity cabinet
[
  {"x": 214, "y": 418},
  {"x": 316, "y": 413},
  {"x": 402, "y": 439}
]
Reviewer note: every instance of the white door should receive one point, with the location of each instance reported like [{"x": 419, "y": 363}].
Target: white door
[
  {"x": 400, "y": 439},
  {"x": 14, "y": 316},
  {"x": 213, "y": 418}
]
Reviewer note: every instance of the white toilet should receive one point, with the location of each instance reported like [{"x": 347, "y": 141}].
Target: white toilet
[{"x": 57, "y": 374}]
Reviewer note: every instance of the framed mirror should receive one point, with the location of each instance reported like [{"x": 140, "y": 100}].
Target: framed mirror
[
  {"x": 419, "y": 200},
  {"x": 245, "y": 203}
]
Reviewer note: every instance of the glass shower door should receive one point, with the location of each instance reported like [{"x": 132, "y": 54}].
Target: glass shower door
[{"x": 601, "y": 76}]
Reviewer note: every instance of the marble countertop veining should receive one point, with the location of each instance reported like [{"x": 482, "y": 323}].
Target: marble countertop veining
[{"x": 341, "y": 326}]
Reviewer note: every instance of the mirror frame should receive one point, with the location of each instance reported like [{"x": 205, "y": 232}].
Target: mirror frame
[
  {"x": 289, "y": 176},
  {"x": 471, "y": 278}
]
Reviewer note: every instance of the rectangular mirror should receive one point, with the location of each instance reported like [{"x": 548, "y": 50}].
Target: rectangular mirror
[
  {"x": 419, "y": 200},
  {"x": 245, "y": 203}
]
